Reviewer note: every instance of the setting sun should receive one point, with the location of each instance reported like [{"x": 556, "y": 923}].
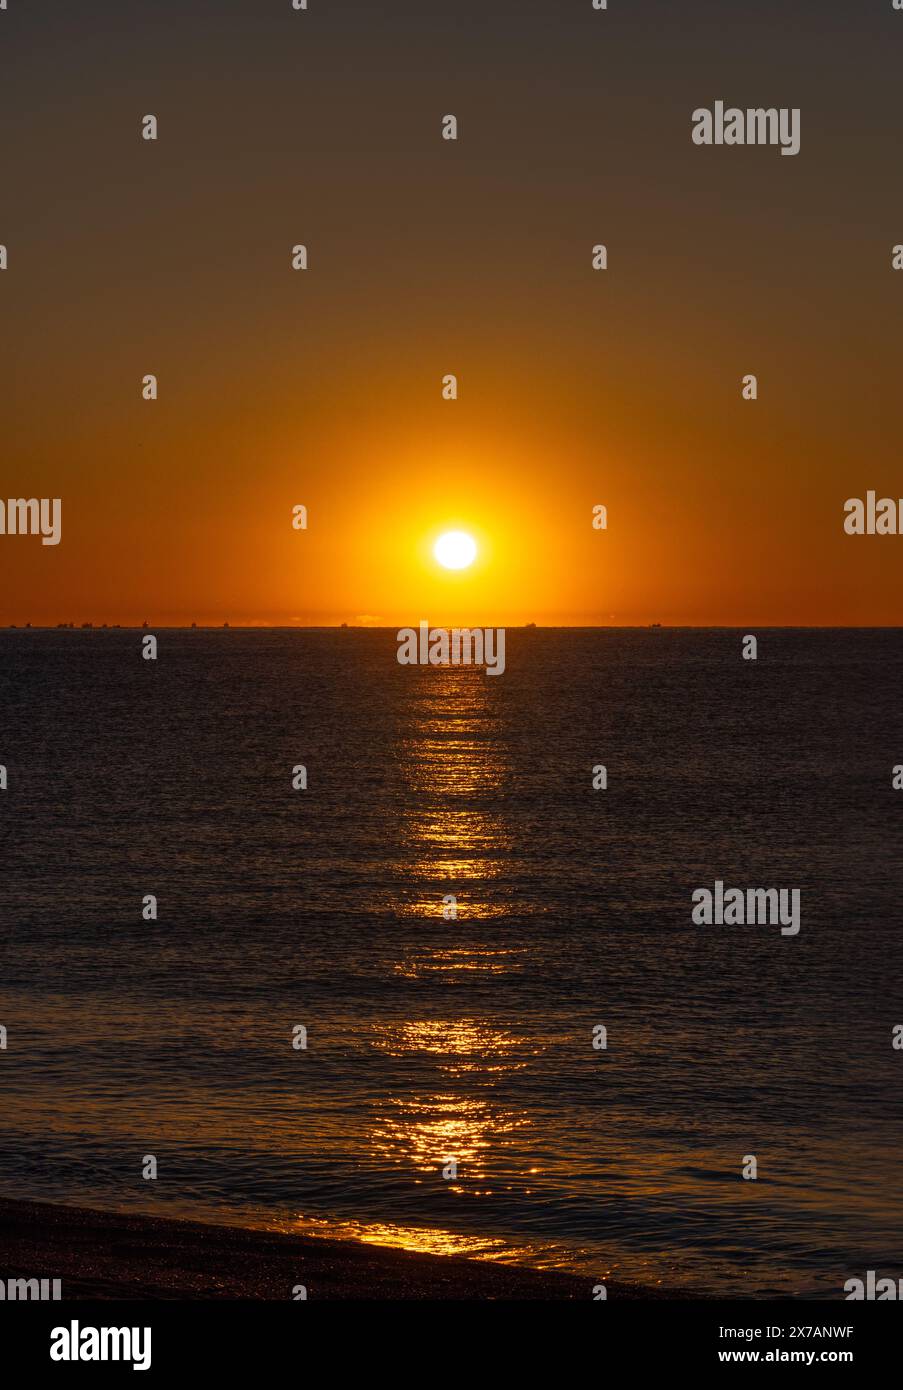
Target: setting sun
[{"x": 455, "y": 550}]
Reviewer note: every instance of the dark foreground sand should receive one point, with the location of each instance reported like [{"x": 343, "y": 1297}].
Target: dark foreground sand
[{"x": 108, "y": 1255}]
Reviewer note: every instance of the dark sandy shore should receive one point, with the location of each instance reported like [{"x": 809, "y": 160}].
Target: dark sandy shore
[{"x": 108, "y": 1255}]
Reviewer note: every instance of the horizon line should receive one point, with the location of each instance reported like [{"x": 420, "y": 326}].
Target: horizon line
[{"x": 227, "y": 626}]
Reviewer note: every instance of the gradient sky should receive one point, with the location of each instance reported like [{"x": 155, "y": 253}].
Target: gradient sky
[{"x": 427, "y": 257}]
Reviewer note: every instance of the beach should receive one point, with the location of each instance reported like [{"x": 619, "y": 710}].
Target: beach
[{"x": 110, "y": 1255}]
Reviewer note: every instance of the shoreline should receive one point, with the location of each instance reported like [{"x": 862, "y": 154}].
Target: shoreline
[{"x": 112, "y": 1255}]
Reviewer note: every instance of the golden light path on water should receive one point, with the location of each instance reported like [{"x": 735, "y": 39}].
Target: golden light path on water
[
  {"x": 420, "y": 1239},
  {"x": 450, "y": 759},
  {"x": 450, "y": 756}
]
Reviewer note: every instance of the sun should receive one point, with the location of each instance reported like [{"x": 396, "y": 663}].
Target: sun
[{"x": 455, "y": 550}]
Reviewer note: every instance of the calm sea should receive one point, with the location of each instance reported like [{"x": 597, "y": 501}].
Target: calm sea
[{"x": 431, "y": 1039}]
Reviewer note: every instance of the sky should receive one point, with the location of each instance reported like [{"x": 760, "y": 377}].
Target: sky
[{"x": 427, "y": 257}]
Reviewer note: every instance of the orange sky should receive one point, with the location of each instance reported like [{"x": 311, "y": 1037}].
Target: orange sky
[{"x": 324, "y": 387}]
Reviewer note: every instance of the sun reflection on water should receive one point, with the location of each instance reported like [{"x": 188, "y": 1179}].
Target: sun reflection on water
[
  {"x": 425, "y": 1240},
  {"x": 452, "y": 762},
  {"x": 458, "y": 840},
  {"x": 424, "y": 1132},
  {"x": 486, "y": 960}
]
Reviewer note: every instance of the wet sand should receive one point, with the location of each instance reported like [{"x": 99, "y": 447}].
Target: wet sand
[{"x": 102, "y": 1255}]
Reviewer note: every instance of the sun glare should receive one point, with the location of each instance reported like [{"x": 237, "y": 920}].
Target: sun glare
[{"x": 455, "y": 550}]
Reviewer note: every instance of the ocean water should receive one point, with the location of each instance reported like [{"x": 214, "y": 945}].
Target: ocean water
[{"x": 431, "y": 1039}]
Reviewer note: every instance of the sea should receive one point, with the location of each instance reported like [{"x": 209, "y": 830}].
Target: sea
[{"x": 372, "y": 1007}]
